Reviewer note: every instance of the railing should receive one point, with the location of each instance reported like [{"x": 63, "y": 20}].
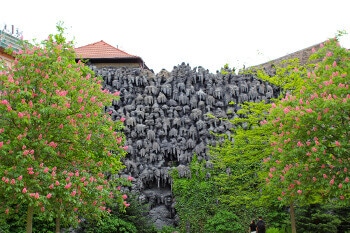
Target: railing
[{"x": 7, "y": 40}]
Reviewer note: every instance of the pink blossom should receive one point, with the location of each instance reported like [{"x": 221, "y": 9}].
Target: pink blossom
[
  {"x": 331, "y": 182},
  {"x": 53, "y": 144},
  {"x": 46, "y": 170},
  {"x": 24, "y": 190},
  {"x": 122, "y": 119},
  {"x": 67, "y": 186},
  {"x": 300, "y": 144},
  {"x": 118, "y": 188},
  {"x": 325, "y": 176},
  {"x": 299, "y": 192},
  {"x": 4, "y": 102},
  {"x": 130, "y": 178},
  {"x": 342, "y": 197},
  {"x": 88, "y": 137},
  {"x": 340, "y": 185},
  {"x": 13, "y": 181},
  {"x": 119, "y": 140},
  {"x": 263, "y": 122},
  {"x": 20, "y": 114},
  {"x": 286, "y": 110},
  {"x": 126, "y": 204},
  {"x": 346, "y": 180},
  {"x": 73, "y": 193},
  {"x": 20, "y": 178},
  {"x": 314, "y": 179},
  {"x": 117, "y": 93},
  {"x": 309, "y": 110},
  {"x": 337, "y": 143},
  {"x": 49, "y": 195},
  {"x": 51, "y": 186}
]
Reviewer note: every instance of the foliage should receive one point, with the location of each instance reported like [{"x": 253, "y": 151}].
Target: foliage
[
  {"x": 56, "y": 141},
  {"x": 136, "y": 214},
  {"x": 310, "y": 158},
  {"x": 223, "y": 222},
  {"x": 227, "y": 70},
  {"x": 17, "y": 222},
  {"x": 195, "y": 197},
  {"x": 112, "y": 223},
  {"x": 273, "y": 230},
  {"x": 317, "y": 218},
  {"x": 237, "y": 162}
]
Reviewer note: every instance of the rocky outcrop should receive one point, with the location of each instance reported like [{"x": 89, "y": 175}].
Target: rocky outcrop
[{"x": 169, "y": 118}]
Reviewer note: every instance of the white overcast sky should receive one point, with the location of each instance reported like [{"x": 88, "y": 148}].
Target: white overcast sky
[{"x": 207, "y": 33}]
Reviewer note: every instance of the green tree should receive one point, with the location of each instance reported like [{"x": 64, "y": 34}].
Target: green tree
[
  {"x": 238, "y": 161},
  {"x": 310, "y": 158},
  {"x": 56, "y": 142}
]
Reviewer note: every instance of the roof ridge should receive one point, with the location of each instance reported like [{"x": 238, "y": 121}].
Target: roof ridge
[{"x": 102, "y": 49}]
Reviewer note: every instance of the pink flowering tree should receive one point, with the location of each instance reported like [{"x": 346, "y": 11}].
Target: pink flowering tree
[
  {"x": 310, "y": 159},
  {"x": 57, "y": 144}
]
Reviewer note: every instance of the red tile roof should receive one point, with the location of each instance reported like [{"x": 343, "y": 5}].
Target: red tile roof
[{"x": 101, "y": 50}]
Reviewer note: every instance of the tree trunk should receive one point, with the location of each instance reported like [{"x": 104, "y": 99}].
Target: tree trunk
[
  {"x": 292, "y": 218},
  {"x": 58, "y": 225},
  {"x": 30, "y": 212}
]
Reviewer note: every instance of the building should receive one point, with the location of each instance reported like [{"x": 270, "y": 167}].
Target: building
[
  {"x": 302, "y": 55},
  {"x": 8, "y": 39},
  {"x": 102, "y": 54}
]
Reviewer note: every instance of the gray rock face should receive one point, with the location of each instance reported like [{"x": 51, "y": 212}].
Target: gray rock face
[{"x": 169, "y": 117}]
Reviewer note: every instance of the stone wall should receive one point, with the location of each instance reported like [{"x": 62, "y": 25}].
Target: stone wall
[{"x": 169, "y": 117}]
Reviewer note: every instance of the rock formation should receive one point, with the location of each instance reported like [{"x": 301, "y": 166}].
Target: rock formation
[{"x": 169, "y": 117}]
